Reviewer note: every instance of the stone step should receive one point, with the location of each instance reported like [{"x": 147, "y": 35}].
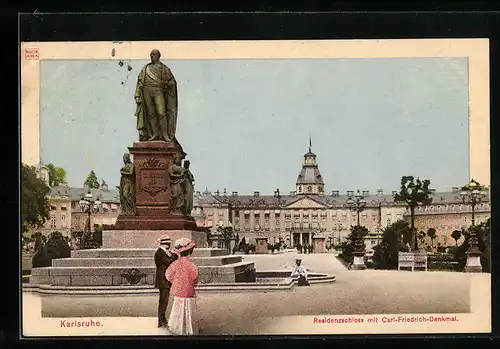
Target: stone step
[
  {"x": 125, "y": 275},
  {"x": 122, "y": 290},
  {"x": 141, "y": 252},
  {"x": 138, "y": 261}
]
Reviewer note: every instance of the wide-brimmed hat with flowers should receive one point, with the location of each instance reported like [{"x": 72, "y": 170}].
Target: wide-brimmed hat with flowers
[{"x": 183, "y": 244}]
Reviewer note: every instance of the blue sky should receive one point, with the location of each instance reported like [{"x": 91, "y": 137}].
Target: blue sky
[{"x": 245, "y": 124}]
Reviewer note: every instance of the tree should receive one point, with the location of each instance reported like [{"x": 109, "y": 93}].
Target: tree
[
  {"x": 456, "y": 234},
  {"x": 91, "y": 181},
  {"x": 431, "y": 233},
  {"x": 413, "y": 193},
  {"x": 348, "y": 246},
  {"x": 386, "y": 252},
  {"x": 35, "y": 205},
  {"x": 421, "y": 237},
  {"x": 57, "y": 175}
]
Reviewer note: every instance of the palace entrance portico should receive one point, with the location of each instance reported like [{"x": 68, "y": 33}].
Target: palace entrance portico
[{"x": 302, "y": 238}]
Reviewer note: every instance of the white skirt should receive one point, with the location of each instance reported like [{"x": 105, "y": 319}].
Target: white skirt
[{"x": 183, "y": 318}]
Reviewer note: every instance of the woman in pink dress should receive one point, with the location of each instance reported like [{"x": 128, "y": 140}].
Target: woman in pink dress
[{"x": 183, "y": 275}]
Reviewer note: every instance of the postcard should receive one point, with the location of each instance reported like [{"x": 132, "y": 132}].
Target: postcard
[{"x": 255, "y": 187}]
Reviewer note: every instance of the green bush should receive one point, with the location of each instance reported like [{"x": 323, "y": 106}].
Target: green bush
[
  {"x": 55, "y": 247},
  {"x": 357, "y": 233},
  {"x": 387, "y": 251},
  {"x": 482, "y": 231}
]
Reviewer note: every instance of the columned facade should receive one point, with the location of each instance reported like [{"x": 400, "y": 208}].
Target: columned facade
[{"x": 295, "y": 217}]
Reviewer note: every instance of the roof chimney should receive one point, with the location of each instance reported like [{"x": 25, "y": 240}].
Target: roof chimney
[{"x": 256, "y": 193}]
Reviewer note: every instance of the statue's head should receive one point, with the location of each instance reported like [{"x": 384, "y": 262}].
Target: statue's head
[
  {"x": 187, "y": 163},
  {"x": 126, "y": 158},
  {"x": 155, "y": 55},
  {"x": 177, "y": 160}
]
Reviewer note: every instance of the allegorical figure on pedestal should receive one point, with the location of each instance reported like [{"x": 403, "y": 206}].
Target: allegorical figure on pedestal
[
  {"x": 177, "y": 177},
  {"x": 127, "y": 187},
  {"x": 188, "y": 188},
  {"x": 156, "y": 99}
]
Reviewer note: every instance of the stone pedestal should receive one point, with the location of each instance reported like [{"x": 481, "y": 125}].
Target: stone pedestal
[
  {"x": 152, "y": 163},
  {"x": 359, "y": 261},
  {"x": 148, "y": 238},
  {"x": 473, "y": 263},
  {"x": 319, "y": 244},
  {"x": 261, "y": 245}
]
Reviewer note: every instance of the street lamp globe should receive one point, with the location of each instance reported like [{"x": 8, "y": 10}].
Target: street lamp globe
[
  {"x": 89, "y": 196},
  {"x": 97, "y": 204},
  {"x": 83, "y": 204}
]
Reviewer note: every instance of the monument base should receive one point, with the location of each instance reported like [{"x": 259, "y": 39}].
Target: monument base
[
  {"x": 148, "y": 238},
  {"x": 473, "y": 264},
  {"x": 167, "y": 222},
  {"x": 359, "y": 263}
]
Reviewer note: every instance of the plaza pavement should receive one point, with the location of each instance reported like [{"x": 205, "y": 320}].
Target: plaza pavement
[{"x": 354, "y": 292}]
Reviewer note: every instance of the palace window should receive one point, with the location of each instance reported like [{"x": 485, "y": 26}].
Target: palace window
[
  {"x": 63, "y": 221},
  {"x": 53, "y": 208},
  {"x": 77, "y": 221},
  {"x": 52, "y": 221},
  {"x": 309, "y": 189}
]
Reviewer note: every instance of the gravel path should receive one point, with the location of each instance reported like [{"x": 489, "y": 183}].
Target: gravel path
[{"x": 354, "y": 292}]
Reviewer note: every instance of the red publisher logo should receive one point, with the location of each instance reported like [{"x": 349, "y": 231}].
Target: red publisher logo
[{"x": 31, "y": 53}]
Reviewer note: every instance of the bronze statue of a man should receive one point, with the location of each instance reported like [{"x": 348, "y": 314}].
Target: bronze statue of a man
[{"x": 156, "y": 99}]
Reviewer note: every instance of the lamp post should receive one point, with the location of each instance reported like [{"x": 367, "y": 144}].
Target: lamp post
[
  {"x": 357, "y": 205},
  {"x": 89, "y": 205},
  {"x": 340, "y": 228},
  {"x": 472, "y": 194}
]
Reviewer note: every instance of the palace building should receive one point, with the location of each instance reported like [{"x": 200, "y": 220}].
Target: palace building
[
  {"x": 66, "y": 215},
  {"x": 308, "y": 211},
  {"x": 293, "y": 218}
]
